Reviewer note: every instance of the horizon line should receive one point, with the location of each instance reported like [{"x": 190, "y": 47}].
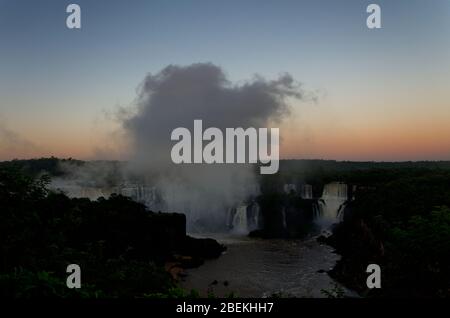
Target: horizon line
[{"x": 282, "y": 159}]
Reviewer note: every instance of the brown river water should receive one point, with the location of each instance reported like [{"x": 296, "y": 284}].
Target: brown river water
[{"x": 254, "y": 267}]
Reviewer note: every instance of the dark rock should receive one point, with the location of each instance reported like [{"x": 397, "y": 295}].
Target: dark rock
[
  {"x": 256, "y": 233},
  {"x": 204, "y": 248}
]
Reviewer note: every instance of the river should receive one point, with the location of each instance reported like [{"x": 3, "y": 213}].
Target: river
[{"x": 254, "y": 267}]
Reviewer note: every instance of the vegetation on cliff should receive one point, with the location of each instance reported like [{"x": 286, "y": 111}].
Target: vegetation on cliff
[
  {"x": 399, "y": 219},
  {"x": 120, "y": 246}
]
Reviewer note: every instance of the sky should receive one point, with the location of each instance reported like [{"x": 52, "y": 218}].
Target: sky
[{"x": 382, "y": 94}]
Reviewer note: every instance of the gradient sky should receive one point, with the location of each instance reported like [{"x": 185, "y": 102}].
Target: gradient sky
[{"x": 382, "y": 94}]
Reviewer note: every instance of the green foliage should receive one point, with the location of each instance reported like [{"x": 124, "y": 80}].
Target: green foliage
[
  {"x": 174, "y": 293},
  {"x": 335, "y": 292},
  {"x": 36, "y": 167},
  {"x": 120, "y": 246},
  {"x": 22, "y": 283},
  {"x": 400, "y": 219},
  {"x": 425, "y": 236}
]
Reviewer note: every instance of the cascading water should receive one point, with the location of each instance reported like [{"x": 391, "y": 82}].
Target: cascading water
[
  {"x": 229, "y": 218},
  {"x": 253, "y": 215},
  {"x": 283, "y": 215},
  {"x": 245, "y": 218},
  {"x": 333, "y": 197},
  {"x": 242, "y": 219},
  {"x": 75, "y": 190},
  {"x": 290, "y": 187},
  {"x": 306, "y": 191},
  {"x": 240, "y": 224}
]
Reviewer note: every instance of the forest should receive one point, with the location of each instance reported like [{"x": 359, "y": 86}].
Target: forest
[{"x": 122, "y": 248}]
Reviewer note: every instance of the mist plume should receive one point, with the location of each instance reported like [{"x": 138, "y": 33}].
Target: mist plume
[{"x": 175, "y": 97}]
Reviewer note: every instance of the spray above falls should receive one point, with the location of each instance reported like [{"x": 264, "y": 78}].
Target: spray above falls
[{"x": 175, "y": 97}]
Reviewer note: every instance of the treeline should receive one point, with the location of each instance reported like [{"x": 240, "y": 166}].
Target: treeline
[
  {"x": 310, "y": 171},
  {"x": 320, "y": 172},
  {"x": 35, "y": 167},
  {"x": 121, "y": 247}
]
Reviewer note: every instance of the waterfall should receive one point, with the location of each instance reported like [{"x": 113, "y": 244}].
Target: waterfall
[
  {"x": 333, "y": 197},
  {"x": 316, "y": 211},
  {"x": 74, "y": 190},
  {"x": 306, "y": 192},
  {"x": 245, "y": 218},
  {"x": 141, "y": 193},
  {"x": 290, "y": 187},
  {"x": 240, "y": 224},
  {"x": 253, "y": 216},
  {"x": 229, "y": 218},
  {"x": 283, "y": 214}
]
